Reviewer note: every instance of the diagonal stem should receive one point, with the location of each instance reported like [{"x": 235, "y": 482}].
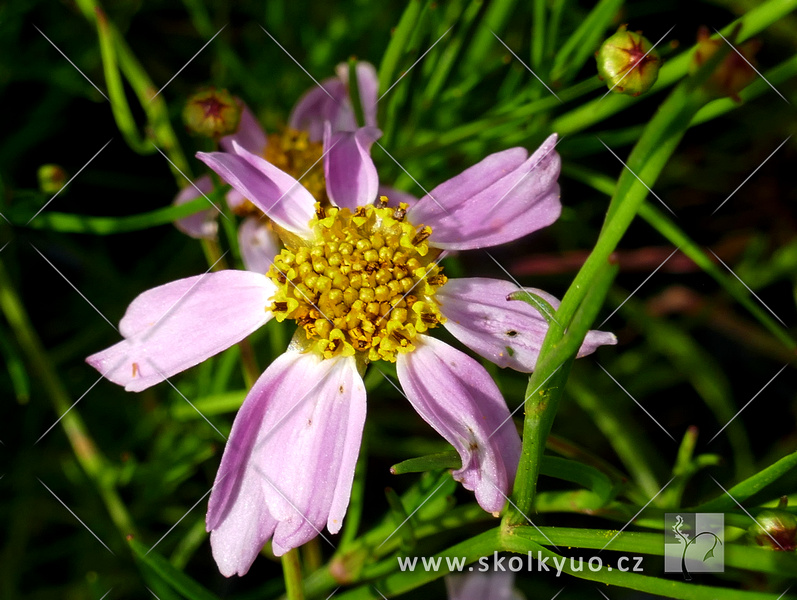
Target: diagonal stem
[
  {"x": 648, "y": 158},
  {"x": 91, "y": 460}
]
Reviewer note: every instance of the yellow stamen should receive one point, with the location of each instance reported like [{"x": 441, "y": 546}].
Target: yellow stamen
[{"x": 365, "y": 284}]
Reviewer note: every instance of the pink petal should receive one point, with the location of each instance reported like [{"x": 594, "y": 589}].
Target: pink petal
[
  {"x": 396, "y": 196},
  {"x": 498, "y": 200},
  {"x": 330, "y": 102},
  {"x": 313, "y": 441},
  {"x": 350, "y": 173},
  {"x": 300, "y": 430},
  {"x": 273, "y": 191},
  {"x": 457, "y": 397},
  {"x": 506, "y": 332},
  {"x": 175, "y": 326},
  {"x": 368, "y": 85},
  {"x": 245, "y": 527},
  {"x": 320, "y": 105},
  {"x": 258, "y": 243},
  {"x": 250, "y": 134},
  {"x": 201, "y": 225},
  {"x": 234, "y": 199}
]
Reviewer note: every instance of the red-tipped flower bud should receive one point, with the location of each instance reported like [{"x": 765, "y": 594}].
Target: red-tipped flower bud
[
  {"x": 212, "y": 113},
  {"x": 51, "y": 178},
  {"x": 775, "y": 529},
  {"x": 627, "y": 62},
  {"x": 734, "y": 73}
]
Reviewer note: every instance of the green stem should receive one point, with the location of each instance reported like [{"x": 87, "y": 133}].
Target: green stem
[
  {"x": 545, "y": 390},
  {"x": 528, "y": 539},
  {"x": 354, "y": 93},
  {"x": 94, "y": 464},
  {"x": 292, "y": 570},
  {"x": 154, "y": 106},
  {"x": 647, "y": 160},
  {"x": 678, "y": 237}
]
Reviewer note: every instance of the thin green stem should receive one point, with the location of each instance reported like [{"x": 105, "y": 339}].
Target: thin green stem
[
  {"x": 153, "y": 104},
  {"x": 354, "y": 92},
  {"x": 92, "y": 461},
  {"x": 647, "y": 159},
  {"x": 292, "y": 571}
]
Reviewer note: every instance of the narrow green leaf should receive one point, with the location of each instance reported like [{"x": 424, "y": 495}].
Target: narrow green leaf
[
  {"x": 431, "y": 462},
  {"x": 576, "y": 472},
  {"x": 528, "y": 539},
  {"x": 15, "y": 366},
  {"x": 752, "y": 485},
  {"x": 216, "y": 404},
  {"x": 538, "y": 35},
  {"x": 388, "y": 68},
  {"x": 676, "y": 235},
  {"x": 636, "y": 452},
  {"x": 178, "y": 581},
  {"x": 405, "y": 530},
  {"x": 71, "y": 223},
  {"x": 452, "y": 52},
  {"x": 116, "y": 92},
  {"x": 537, "y": 302},
  {"x": 354, "y": 92},
  {"x": 495, "y": 20},
  {"x": 584, "y": 41}
]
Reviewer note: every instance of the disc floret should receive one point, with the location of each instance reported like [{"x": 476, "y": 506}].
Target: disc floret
[
  {"x": 293, "y": 152},
  {"x": 364, "y": 285}
]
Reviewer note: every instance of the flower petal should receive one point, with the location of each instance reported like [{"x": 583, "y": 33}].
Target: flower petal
[
  {"x": 498, "y": 200},
  {"x": 245, "y": 527},
  {"x": 201, "y": 225},
  {"x": 300, "y": 430},
  {"x": 459, "y": 399},
  {"x": 259, "y": 244},
  {"x": 175, "y": 326},
  {"x": 250, "y": 134},
  {"x": 506, "y": 332},
  {"x": 313, "y": 443},
  {"x": 273, "y": 191},
  {"x": 330, "y": 102},
  {"x": 368, "y": 86},
  {"x": 395, "y": 196},
  {"x": 349, "y": 171},
  {"x": 319, "y": 105},
  {"x": 234, "y": 199}
]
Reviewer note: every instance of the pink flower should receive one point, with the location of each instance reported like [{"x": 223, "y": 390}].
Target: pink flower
[
  {"x": 299, "y": 145},
  {"x": 363, "y": 283}
]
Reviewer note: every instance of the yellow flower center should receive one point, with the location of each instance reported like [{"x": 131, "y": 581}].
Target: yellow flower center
[
  {"x": 293, "y": 152},
  {"x": 365, "y": 284}
]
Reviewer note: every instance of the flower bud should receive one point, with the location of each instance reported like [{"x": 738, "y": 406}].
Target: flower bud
[
  {"x": 734, "y": 73},
  {"x": 51, "y": 178},
  {"x": 212, "y": 113},
  {"x": 775, "y": 529},
  {"x": 627, "y": 62}
]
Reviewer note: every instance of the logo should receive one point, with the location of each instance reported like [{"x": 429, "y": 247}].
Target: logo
[{"x": 693, "y": 543}]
